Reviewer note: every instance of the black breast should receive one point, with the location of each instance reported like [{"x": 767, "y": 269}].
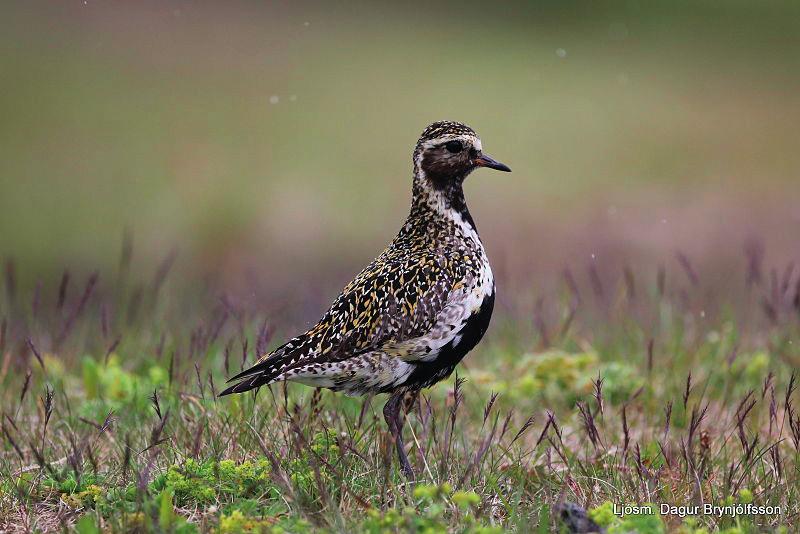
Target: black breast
[{"x": 428, "y": 373}]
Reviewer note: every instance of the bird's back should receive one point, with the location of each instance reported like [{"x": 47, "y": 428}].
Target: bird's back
[{"x": 390, "y": 324}]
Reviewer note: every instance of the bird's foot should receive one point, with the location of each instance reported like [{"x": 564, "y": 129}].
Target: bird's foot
[
  {"x": 405, "y": 467},
  {"x": 402, "y": 457},
  {"x": 391, "y": 412}
]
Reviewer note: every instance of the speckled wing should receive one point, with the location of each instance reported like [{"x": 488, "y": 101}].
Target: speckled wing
[{"x": 390, "y": 306}]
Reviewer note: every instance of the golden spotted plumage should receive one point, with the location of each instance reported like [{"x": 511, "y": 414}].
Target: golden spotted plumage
[{"x": 413, "y": 313}]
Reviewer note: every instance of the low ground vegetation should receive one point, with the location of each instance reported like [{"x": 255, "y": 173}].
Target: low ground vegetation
[{"x": 625, "y": 394}]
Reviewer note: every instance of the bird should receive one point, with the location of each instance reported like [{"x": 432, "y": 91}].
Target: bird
[{"x": 407, "y": 319}]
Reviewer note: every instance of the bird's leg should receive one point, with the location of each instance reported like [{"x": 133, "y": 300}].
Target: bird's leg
[{"x": 391, "y": 412}]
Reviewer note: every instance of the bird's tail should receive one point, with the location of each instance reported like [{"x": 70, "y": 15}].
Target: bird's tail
[{"x": 261, "y": 374}]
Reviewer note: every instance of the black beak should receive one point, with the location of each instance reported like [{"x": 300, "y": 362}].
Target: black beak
[{"x": 485, "y": 161}]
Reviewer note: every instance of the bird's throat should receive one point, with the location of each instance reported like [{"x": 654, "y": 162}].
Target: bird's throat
[{"x": 439, "y": 198}]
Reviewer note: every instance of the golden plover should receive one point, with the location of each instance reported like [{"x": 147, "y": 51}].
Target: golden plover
[{"x": 411, "y": 315}]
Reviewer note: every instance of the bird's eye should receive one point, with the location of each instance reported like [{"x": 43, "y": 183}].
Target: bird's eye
[{"x": 454, "y": 146}]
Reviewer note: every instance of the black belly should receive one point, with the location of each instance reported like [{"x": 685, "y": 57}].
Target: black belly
[{"x": 428, "y": 373}]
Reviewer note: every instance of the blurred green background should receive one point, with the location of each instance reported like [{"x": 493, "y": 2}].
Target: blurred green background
[{"x": 270, "y": 143}]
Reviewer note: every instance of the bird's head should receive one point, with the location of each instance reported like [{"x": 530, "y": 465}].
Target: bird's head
[{"x": 447, "y": 151}]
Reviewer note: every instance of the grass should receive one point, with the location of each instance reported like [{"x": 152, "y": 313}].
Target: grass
[{"x": 621, "y": 392}]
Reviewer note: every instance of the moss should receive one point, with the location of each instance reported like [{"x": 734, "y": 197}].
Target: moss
[
  {"x": 209, "y": 481},
  {"x": 465, "y": 499},
  {"x": 110, "y": 387},
  {"x": 603, "y": 515},
  {"x": 301, "y": 469},
  {"x": 68, "y": 484},
  {"x": 430, "y": 515},
  {"x": 84, "y": 498},
  {"x": 620, "y": 381},
  {"x": 557, "y": 374},
  {"x": 756, "y": 367},
  {"x": 642, "y": 524},
  {"x": 237, "y": 523}
]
